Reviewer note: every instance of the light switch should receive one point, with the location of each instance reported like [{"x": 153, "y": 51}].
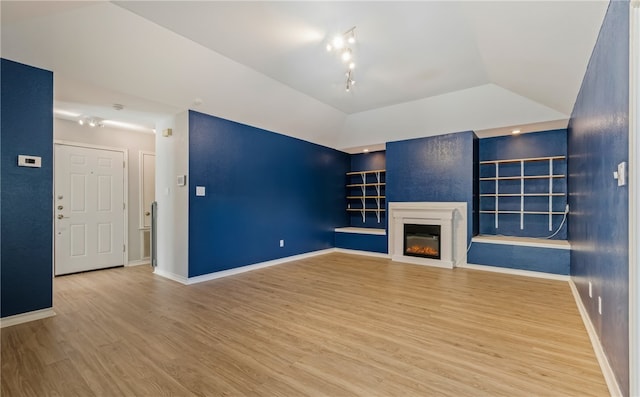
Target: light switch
[
  {"x": 200, "y": 191},
  {"x": 182, "y": 180}
]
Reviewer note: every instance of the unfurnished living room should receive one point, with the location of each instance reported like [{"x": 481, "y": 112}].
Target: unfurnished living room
[{"x": 358, "y": 198}]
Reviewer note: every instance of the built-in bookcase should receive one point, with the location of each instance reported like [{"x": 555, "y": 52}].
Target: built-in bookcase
[
  {"x": 366, "y": 194},
  {"x": 523, "y": 191}
]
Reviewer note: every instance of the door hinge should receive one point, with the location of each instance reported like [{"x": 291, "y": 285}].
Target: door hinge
[
  {"x": 124, "y": 248},
  {"x": 124, "y": 206},
  {"x": 124, "y": 164}
]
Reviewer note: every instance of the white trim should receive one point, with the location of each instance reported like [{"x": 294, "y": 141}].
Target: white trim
[
  {"x": 26, "y": 317},
  {"x": 516, "y": 272},
  {"x": 361, "y": 230},
  {"x": 522, "y": 241},
  {"x": 607, "y": 371},
  {"x": 634, "y": 197},
  {"x": 363, "y": 253},
  {"x": 141, "y": 154},
  {"x": 125, "y": 182},
  {"x": 255, "y": 266},
  {"x": 170, "y": 276},
  {"x": 144, "y": 261}
]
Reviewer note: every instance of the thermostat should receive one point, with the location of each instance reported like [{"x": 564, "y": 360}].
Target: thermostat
[
  {"x": 29, "y": 161},
  {"x": 182, "y": 180}
]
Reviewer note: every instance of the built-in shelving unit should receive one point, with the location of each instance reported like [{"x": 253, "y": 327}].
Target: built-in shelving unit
[
  {"x": 366, "y": 190},
  {"x": 523, "y": 187}
]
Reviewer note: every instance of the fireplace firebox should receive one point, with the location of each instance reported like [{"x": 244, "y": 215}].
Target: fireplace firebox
[{"x": 422, "y": 241}]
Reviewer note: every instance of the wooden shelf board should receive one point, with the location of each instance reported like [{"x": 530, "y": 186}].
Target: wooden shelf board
[
  {"x": 505, "y": 178},
  {"x": 525, "y": 194},
  {"x": 365, "y": 172},
  {"x": 525, "y": 212},
  {"x": 523, "y": 159}
]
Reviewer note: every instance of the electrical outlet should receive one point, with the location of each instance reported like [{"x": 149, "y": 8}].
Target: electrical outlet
[
  {"x": 600, "y": 305},
  {"x": 281, "y": 243},
  {"x": 590, "y": 290},
  {"x": 566, "y": 208}
]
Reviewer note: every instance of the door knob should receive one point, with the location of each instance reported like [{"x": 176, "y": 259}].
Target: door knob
[
  {"x": 60, "y": 207},
  {"x": 147, "y": 213},
  {"x": 60, "y": 216}
]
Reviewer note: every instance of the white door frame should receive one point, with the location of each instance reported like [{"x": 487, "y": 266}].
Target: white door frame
[
  {"x": 125, "y": 181},
  {"x": 634, "y": 197},
  {"x": 141, "y": 228}
]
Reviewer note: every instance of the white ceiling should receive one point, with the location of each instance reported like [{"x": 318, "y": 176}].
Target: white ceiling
[{"x": 422, "y": 68}]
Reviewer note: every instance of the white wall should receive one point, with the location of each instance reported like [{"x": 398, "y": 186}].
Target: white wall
[
  {"x": 172, "y": 159},
  {"x": 65, "y": 130}
]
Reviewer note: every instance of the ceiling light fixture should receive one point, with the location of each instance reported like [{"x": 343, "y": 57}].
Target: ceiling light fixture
[
  {"x": 515, "y": 132},
  {"x": 341, "y": 44},
  {"x": 90, "y": 121}
]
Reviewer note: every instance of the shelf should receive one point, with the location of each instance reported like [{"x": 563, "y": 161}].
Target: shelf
[
  {"x": 524, "y": 195},
  {"x": 543, "y": 182},
  {"x": 365, "y": 172},
  {"x": 365, "y": 184},
  {"x": 369, "y": 203},
  {"x": 365, "y": 197},
  {"x": 523, "y": 159},
  {"x": 504, "y": 178},
  {"x": 524, "y": 212}
]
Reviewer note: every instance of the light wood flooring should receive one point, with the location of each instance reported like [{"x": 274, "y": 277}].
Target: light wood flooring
[{"x": 333, "y": 325}]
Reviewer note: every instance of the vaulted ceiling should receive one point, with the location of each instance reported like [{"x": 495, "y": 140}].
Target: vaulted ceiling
[{"x": 422, "y": 68}]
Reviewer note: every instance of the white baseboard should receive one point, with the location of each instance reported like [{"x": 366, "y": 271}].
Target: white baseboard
[
  {"x": 365, "y": 253},
  {"x": 607, "y": 371},
  {"x": 170, "y": 276},
  {"x": 138, "y": 262},
  {"x": 517, "y": 272},
  {"x": 26, "y": 317},
  {"x": 255, "y": 266}
]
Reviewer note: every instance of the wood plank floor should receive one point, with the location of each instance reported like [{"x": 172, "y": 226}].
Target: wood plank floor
[{"x": 332, "y": 325}]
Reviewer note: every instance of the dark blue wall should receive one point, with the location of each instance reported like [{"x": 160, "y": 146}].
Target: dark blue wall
[
  {"x": 26, "y": 194},
  {"x": 437, "y": 168},
  {"x": 538, "y": 144},
  {"x": 261, "y": 187},
  {"x": 361, "y": 242},
  {"x": 537, "y": 259},
  {"x": 367, "y": 162},
  {"x": 598, "y": 139}
]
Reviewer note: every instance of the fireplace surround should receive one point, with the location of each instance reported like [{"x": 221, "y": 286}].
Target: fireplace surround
[{"x": 450, "y": 218}]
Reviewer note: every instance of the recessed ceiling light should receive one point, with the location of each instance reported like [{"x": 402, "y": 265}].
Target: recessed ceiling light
[
  {"x": 366, "y": 150},
  {"x": 515, "y": 132}
]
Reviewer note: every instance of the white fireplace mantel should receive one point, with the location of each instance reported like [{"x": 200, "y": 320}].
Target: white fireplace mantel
[{"x": 450, "y": 216}]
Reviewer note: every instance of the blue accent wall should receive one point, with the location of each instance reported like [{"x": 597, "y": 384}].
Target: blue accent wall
[
  {"x": 26, "y": 194},
  {"x": 537, "y": 144},
  {"x": 437, "y": 168},
  {"x": 366, "y": 162},
  {"x": 537, "y": 259},
  {"x": 361, "y": 242},
  {"x": 598, "y": 139},
  {"x": 261, "y": 187}
]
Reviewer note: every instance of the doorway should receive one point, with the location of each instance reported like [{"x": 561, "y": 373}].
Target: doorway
[{"x": 89, "y": 208}]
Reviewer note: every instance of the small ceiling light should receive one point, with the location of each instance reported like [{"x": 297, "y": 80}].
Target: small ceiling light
[
  {"x": 515, "y": 132},
  {"x": 92, "y": 123},
  {"x": 352, "y": 65},
  {"x": 118, "y": 106},
  {"x": 350, "y": 81},
  {"x": 366, "y": 150},
  {"x": 346, "y": 55},
  {"x": 329, "y": 47},
  {"x": 81, "y": 122},
  {"x": 338, "y": 42}
]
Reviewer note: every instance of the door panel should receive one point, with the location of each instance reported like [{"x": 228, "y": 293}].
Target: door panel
[{"x": 89, "y": 197}]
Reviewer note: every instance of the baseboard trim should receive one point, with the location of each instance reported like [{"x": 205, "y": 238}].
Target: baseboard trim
[
  {"x": 138, "y": 262},
  {"x": 26, "y": 317},
  {"x": 255, "y": 266},
  {"x": 516, "y": 272},
  {"x": 606, "y": 369},
  {"x": 170, "y": 276},
  {"x": 364, "y": 253}
]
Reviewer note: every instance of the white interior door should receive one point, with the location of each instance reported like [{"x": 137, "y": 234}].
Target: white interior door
[
  {"x": 147, "y": 163},
  {"x": 89, "y": 209}
]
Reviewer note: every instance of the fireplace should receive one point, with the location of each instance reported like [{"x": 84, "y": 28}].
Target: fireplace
[
  {"x": 437, "y": 229},
  {"x": 422, "y": 241}
]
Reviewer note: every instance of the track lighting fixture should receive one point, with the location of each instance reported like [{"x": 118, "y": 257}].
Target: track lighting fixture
[
  {"x": 90, "y": 121},
  {"x": 341, "y": 44}
]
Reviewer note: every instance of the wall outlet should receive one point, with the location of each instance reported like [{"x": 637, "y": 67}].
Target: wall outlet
[
  {"x": 600, "y": 305},
  {"x": 590, "y": 290},
  {"x": 281, "y": 243},
  {"x": 566, "y": 208}
]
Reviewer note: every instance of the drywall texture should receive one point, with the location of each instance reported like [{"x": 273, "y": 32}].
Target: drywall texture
[
  {"x": 260, "y": 188},
  {"x": 26, "y": 194},
  {"x": 598, "y": 139}
]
